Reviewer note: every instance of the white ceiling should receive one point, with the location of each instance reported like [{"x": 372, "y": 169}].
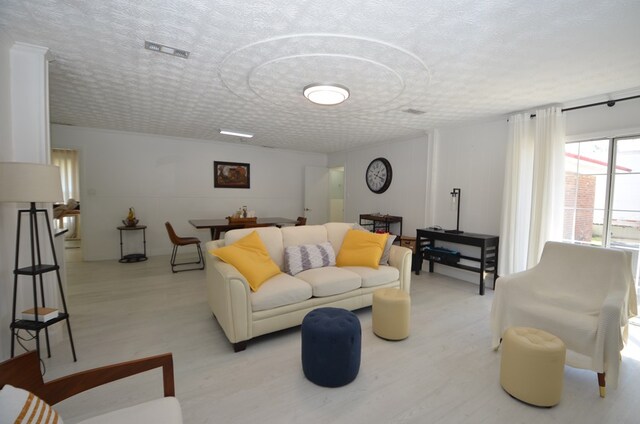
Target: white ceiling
[{"x": 456, "y": 60}]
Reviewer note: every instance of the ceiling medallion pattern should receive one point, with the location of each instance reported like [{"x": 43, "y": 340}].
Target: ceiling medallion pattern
[{"x": 273, "y": 72}]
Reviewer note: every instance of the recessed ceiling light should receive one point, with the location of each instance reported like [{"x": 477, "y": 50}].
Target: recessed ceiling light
[
  {"x": 236, "y": 133},
  {"x": 160, "y": 48},
  {"x": 326, "y": 94}
]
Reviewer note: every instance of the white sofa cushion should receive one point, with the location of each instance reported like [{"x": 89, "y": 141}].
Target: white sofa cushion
[
  {"x": 280, "y": 290},
  {"x": 270, "y": 236},
  {"x": 160, "y": 411},
  {"x": 336, "y": 232},
  {"x": 303, "y": 234},
  {"x": 375, "y": 277},
  {"x": 330, "y": 280}
]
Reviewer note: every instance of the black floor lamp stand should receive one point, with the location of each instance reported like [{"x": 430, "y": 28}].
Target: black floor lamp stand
[{"x": 36, "y": 271}]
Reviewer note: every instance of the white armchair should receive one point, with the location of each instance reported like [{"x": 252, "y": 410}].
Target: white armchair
[{"x": 582, "y": 294}]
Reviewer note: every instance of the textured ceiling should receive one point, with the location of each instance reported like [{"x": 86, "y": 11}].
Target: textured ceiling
[{"x": 456, "y": 60}]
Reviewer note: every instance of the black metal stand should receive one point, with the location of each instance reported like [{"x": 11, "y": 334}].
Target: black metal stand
[
  {"x": 133, "y": 257},
  {"x": 37, "y": 269}
]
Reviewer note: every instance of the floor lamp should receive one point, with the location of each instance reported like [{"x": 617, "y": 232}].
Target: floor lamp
[{"x": 31, "y": 183}]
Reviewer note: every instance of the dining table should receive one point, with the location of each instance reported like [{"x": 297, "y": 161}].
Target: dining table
[{"x": 219, "y": 226}]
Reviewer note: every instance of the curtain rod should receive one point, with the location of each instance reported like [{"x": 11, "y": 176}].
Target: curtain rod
[{"x": 609, "y": 103}]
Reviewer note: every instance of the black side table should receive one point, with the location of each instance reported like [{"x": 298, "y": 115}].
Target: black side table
[{"x": 133, "y": 257}]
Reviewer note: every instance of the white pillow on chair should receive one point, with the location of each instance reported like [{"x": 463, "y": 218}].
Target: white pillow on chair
[{"x": 20, "y": 406}]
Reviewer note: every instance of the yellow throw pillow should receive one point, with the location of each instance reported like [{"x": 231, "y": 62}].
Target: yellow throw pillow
[
  {"x": 250, "y": 256},
  {"x": 360, "y": 248}
]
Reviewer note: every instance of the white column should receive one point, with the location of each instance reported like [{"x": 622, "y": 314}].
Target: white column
[
  {"x": 30, "y": 103},
  {"x": 28, "y": 115}
]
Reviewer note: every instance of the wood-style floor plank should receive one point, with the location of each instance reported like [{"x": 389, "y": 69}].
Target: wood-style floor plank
[{"x": 445, "y": 372}]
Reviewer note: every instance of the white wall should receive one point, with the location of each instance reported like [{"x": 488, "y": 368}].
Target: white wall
[
  {"x": 7, "y": 211},
  {"x": 406, "y": 196},
  {"x": 470, "y": 158},
  {"x": 603, "y": 121},
  {"x": 171, "y": 179}
]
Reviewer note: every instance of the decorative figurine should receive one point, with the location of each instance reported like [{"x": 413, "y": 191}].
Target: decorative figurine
[{"x": 131, "y": 220}]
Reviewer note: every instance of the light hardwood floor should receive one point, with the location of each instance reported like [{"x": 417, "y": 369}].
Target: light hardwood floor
[{"x": 445, "y": 372}]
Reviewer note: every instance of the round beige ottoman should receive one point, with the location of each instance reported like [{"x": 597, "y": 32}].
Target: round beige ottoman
[
  {"x": 390, "y": 313},
  {"x": 532, "y": 365}
]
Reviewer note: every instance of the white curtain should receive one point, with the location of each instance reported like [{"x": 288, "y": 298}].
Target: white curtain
[
  {"x": 533, "y": 194},
  {"x": 547, "y": 201},
  {"x": 67, "y": 160}
]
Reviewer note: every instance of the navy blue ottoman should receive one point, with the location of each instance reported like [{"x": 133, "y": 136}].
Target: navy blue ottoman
[{"x": 331, "y": 340}]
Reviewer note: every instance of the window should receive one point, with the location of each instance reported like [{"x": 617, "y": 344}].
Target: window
[{"x": 602, "y": 194}]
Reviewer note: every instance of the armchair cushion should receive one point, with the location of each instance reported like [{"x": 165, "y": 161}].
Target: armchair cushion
[
  {"x": 157, "y": 411},
  {"x": 18, "y": 405}
]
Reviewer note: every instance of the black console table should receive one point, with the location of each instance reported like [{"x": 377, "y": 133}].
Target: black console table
[{"x": 487, "y": 262}]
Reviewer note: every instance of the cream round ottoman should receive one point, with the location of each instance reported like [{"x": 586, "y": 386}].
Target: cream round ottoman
[
  {"x": 390, "y": 313},
  {"x": 532, "y": 365}
]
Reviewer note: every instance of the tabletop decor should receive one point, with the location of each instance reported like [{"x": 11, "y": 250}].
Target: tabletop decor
[
  {"x": 456, "y": 197},
  {"x": 131, "y": 220}
]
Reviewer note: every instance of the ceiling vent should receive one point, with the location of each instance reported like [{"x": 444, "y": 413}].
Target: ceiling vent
[
  {"x": 414, "y": 111},
  {"x": 149, "y": 45}
]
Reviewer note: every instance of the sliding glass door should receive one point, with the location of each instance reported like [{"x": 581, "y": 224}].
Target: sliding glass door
[{"x": 602, "y": 194}]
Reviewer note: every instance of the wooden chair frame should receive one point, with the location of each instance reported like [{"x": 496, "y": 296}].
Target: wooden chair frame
[{"x": 23, "y": 371}]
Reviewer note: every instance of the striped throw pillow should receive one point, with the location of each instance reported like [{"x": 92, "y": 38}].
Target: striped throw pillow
[
  {"x": 22, "y": 407},
  {"x": 308, "y": 256}
]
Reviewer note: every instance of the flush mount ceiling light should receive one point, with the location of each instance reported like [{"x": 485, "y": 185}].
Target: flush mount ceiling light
[
  {"x": 236, "y": 133},
  {"x": 326, "y": 94}
]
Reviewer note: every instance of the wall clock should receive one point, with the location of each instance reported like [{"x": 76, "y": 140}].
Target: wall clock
[{"x": 379, "y": 175}]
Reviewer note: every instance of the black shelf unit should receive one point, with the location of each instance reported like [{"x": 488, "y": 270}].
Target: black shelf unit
[
  {"x": 37, "y": 271},
  {"x": 376, "y": 222}
]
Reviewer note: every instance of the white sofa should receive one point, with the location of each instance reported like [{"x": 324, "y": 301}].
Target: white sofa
[{"x": 284, "y": 300}]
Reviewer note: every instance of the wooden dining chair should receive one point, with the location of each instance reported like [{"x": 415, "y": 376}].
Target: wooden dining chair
[{"x": 183, "y": 241}]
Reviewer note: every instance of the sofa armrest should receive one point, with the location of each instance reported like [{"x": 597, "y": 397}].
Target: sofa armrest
[
  {"x": 228, "y": 294},
  {"x": 400, "y": 257}
]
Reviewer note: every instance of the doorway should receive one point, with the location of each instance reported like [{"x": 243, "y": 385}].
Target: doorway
[
  {"x": 336, "y": 194},
  {"x": 67, "y": 214}
]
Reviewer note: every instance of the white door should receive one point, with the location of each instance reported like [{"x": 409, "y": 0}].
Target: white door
[{"x": 316, "y": 194}]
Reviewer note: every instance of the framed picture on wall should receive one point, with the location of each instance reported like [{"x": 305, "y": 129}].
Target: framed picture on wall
[{"x": 231, "y": 175}]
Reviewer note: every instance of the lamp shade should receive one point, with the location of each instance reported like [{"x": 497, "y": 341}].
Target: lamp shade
[{"x": 30, "y": 182}]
